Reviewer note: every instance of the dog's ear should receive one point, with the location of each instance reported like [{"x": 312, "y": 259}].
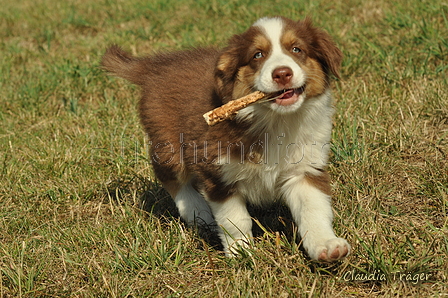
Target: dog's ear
[
  {"x": 227, "y": 68},
  {"x": 324, "y": 48}
]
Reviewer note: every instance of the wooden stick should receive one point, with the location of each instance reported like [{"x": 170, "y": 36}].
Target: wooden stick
[{"x": 231, "y": 108}]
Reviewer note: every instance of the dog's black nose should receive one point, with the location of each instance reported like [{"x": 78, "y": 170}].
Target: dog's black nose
[{"x": 282, "y": 76}]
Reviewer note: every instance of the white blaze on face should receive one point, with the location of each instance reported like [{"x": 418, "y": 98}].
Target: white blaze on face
[{"x": 273, "y": 29}]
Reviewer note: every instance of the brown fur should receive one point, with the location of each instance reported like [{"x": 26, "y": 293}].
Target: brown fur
[{"x": 321, "y": 182}]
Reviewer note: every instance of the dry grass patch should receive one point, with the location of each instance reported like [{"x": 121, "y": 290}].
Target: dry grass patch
[{"x": 81, "y": 214}]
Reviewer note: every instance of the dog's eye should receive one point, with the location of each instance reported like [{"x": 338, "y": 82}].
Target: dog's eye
[
  {"x": 296, "y": 50},
  {"x": 258, "y": 55}
]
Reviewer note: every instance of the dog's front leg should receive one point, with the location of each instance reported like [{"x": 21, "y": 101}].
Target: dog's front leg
[
  {"x": 311, "y": 209},
  {"x": 235, "y": 222}
]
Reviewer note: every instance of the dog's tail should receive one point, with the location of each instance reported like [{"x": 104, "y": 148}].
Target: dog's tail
[{"x": 120, "y": 63}]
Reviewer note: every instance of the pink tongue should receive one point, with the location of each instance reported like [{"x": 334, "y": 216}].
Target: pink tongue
[
  {"x": 287, "y": 98},
  {"x": 287, "y": 94}
]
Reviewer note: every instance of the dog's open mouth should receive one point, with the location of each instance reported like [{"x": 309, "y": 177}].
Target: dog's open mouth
[{"x": 287, "y": 97}]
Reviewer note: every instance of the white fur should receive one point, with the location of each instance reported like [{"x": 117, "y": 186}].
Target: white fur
[
  {"x": 297, "y": 143},
  {"x": 192, "y": 207},
  {"x": 312, "y": 212},
  {"x": 235, "y": 223}
]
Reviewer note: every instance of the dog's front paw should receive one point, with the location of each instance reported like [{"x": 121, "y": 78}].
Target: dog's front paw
[{"x": 333, "y": 249}]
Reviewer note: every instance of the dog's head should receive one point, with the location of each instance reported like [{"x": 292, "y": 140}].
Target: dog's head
[{"x": 288, "y": 60}]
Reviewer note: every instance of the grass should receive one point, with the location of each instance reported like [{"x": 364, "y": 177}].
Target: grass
[{"x": 74, "y": 169}]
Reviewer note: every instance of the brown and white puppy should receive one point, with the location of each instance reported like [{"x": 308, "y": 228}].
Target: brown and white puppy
[{"x": 276, "y": 150}]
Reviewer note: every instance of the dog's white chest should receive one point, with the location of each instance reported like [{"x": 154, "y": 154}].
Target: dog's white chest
[{"x": 257, "y": 183}]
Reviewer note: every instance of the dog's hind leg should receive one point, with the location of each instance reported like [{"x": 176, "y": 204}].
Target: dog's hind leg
[
  {"x": 235, "y": 223},
  {"x": 192, "y": 207}
]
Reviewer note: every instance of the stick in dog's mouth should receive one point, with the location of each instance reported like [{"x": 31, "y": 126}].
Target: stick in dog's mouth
[
  {"x": 231, "y": 108},
  {"x": 287, "y": 93},
  {"x": 283, "y": 94}
]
